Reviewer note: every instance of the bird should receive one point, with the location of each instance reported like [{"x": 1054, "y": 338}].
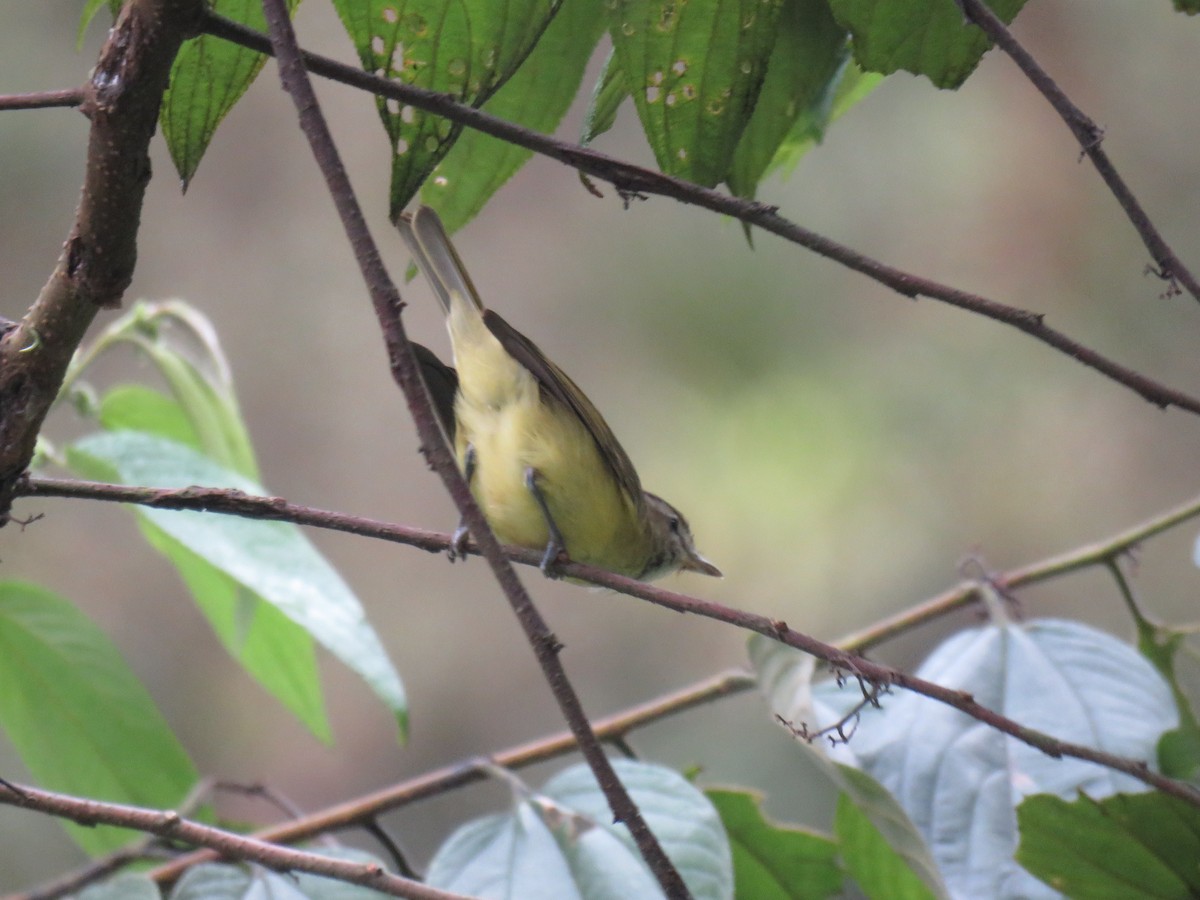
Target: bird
[{"x": 541, "y": 462}]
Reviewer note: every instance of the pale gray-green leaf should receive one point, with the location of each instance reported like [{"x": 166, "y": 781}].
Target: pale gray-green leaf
[
  {"x": 681, "y": 817},
  {"x": 960, "y": 780},
  {"x": 273, "y": 559}
]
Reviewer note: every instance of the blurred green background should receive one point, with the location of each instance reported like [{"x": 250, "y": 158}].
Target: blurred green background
[{"x": 838, "y": 448}]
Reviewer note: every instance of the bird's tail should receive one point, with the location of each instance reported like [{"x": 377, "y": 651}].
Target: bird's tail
[{"x": 436, "y": 257}]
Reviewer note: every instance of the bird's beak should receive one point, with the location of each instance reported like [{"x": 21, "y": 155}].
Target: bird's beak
[{"x": 697, "y": 563}]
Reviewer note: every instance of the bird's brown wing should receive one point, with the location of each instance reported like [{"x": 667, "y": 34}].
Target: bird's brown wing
[
  {"x": 442, "y": 382},
  {"x": 555, "y": 382},
  {"x": 437, "y": 258}
]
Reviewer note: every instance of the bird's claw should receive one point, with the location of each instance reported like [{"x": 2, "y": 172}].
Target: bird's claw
[{"x": 458, "y": 543}]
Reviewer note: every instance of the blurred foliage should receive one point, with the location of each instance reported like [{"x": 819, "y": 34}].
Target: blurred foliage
[{"x": 837, "y": 454}]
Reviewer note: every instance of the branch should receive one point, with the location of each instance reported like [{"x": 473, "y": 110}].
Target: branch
[
  {"x": 171, "y": 825},
  {"x": 147, "y": 849},
  {"x": 1090, "y": 137},
  {"x": 122, "y": 100},
  {"x": 388, "y": 305},
  {"x": 886, "y": 676},
  {"x": 42, "y": 99},
  {"x": 364, "y": 809},
  {"x": 840, "y": 658},
  {"x": 232, "y": 502},
  {"x": 637, "y": 180}
]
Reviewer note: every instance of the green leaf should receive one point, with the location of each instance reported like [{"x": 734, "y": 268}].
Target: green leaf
[
  {"x": 465, "y": 48},
  {"x": 1125, "y": 847},
  {"x": 810, "y": 52},
  {"x": 694, "y": 70},
  {"x": 775, "y": 862},
  {"x": 881, "y": 846},
  {"x": 273, "y": 560},
  {"x": 851, "y": 85},
  {"x": 610, "y": 92},
  {"x": 208, "y": 77},
  {"x": 1178, "y": 749},
  {"x": 79, "y": 719},
  {"x": 537, "y": 96},
  {"x": 90, "y": 9},
  {"x": 925, "y": 37},
  {"x": 134, "y": 407},
  {"x": 182, "y": 343},
  {"x": 562, "y": 843},
  {"x": 960, "y": 780},
  {"x": 1179, "y": 753},
  {"x": 882, "y": 865},
  {"x": 203, "y": 389},
  {"x": 273, "y": 649}
]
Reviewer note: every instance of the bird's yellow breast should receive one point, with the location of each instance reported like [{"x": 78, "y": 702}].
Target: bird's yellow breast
[{"x": 513, "y": 426}]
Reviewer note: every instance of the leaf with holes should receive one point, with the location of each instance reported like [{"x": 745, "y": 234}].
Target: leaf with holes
[
  {"x": 464, "y": 48},
  {"x": 695, "y": 71},
  {"x": 537, "y": 96},
  {"x": 809, "y": 55}
]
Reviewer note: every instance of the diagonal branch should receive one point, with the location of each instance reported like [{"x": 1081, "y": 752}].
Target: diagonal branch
[
  {"x": 231, "y": 502},
  {"x": 839, "y": 657},
  {"x": 121, "y": 99},
  {"x": 387, "y": 303},
  {"x": 1090, "y": 137},
  {"x": 632, "y": 179}
]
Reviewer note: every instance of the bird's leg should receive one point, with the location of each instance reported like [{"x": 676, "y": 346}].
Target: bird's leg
[
  {"x": 556, "y": 547},
  {"x": 458, "y": 542}
]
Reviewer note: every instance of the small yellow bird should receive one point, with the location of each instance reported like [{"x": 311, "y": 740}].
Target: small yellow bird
[{"x": 543, "y": 464}]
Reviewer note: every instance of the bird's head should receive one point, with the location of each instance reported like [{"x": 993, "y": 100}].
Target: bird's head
[{"x": 672, "y": 540}]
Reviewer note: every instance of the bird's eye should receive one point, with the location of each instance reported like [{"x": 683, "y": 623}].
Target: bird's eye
[{"x": 674, "y": 523}]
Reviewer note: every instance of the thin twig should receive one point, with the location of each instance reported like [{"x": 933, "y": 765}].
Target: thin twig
[
  {"x": 42, "y": 99},
  {"x": 233, "y": 502},
  {"x": 1090, "y": 137},
  {"x": 172, "y": 826},
  {"x": 400, "y": 861},
  {"x": 353, "y": 813},
  {"x": 386, "y": 300},
  {"x": 637, "y": 180}
]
